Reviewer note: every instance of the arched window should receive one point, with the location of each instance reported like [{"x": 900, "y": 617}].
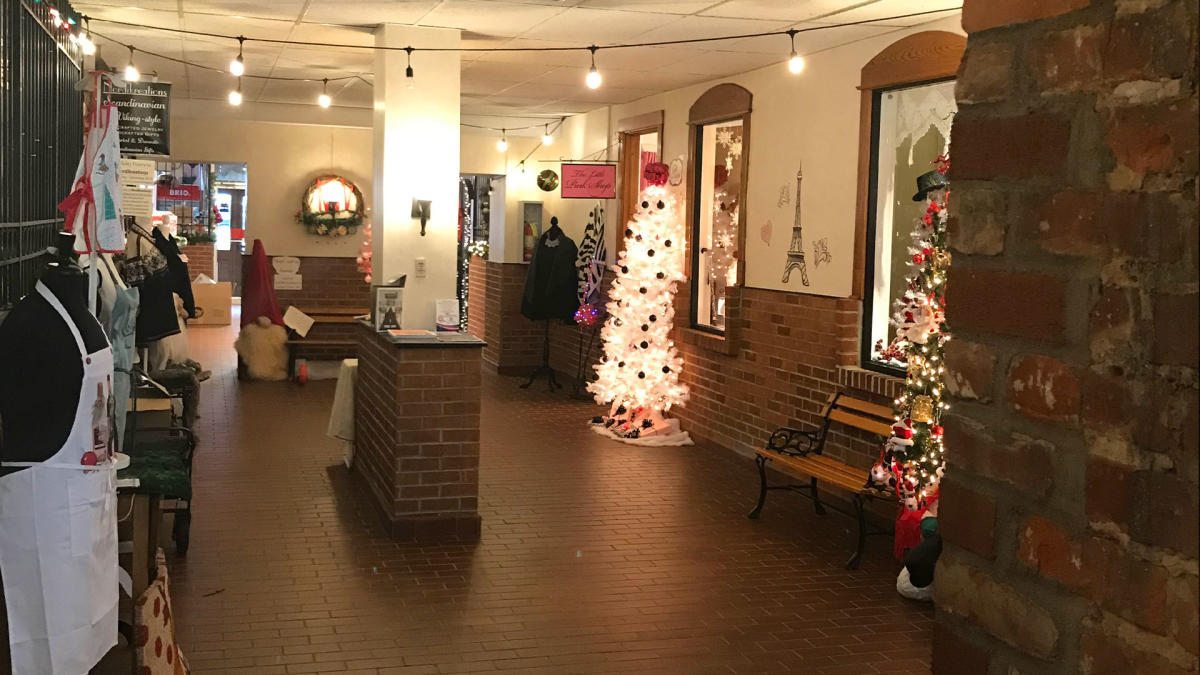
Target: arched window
[
  {"x": 720, "y": 138},
  {"x": 907, "y": 109}
]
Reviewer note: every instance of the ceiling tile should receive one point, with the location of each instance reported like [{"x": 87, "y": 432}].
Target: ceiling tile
[
  {"x": 819, "y": 37},
  {"x": 489, "y": 19},
  {"x": 288, "y": 10},
  {"x": 661, "y": 6},
  {"x": 368, "y": 12},
  {"x": 584, "y": 26},
  {"x": 702, "y": 27}
]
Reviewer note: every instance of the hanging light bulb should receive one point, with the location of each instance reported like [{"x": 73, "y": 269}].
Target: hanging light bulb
[
  {"x": 131, "y": 71},
  {"x": 237, "y": 67},
  {"x": 796, "y": 62},
  {"x": 547, "y": 139},
  {"x": 593, "y": 77},
  {"x": 323, "y": 100},
  {"x": 235, "y": 96},
  {"x": 85, "y": 38},
  {"x": 502, "y": 144},
  {"x": 408, "y": 71}
]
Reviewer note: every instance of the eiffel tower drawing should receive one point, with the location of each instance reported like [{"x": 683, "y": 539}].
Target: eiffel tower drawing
[{"x": 795, "y": 254}]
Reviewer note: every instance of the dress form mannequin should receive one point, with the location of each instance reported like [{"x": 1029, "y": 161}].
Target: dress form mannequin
[{"x": 38, "y": 357}]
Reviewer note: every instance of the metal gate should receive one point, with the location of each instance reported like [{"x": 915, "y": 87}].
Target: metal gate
[{"x": 41, "y": 124}]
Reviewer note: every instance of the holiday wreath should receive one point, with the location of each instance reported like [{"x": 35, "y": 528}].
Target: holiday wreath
[{"x": 332, "y": 207}]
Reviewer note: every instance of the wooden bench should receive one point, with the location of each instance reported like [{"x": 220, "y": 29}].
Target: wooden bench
[
  {"x": 798, "y": 453},
  {"x": 346, "y": 347}
]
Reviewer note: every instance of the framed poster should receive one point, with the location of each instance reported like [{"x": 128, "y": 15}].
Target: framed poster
[
  {"x": 589, "y": 181},
  {"x": 145, "y": 117}
]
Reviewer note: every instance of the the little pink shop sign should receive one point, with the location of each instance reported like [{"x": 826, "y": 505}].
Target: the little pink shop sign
[{"x": 589, "y": 181}]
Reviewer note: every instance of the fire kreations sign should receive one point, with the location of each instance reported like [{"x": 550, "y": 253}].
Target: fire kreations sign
[{"x": 589, "y": 181}]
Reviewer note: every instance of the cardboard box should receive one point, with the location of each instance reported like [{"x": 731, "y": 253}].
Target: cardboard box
[{"x": 217, "y": 301}]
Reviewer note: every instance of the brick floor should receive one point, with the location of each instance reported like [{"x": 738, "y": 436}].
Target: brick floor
[{"x": 595, "y": 556}]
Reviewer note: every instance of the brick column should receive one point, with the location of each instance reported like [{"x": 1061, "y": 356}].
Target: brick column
[
  {"x": 1069, "y": 506},
  {"x": 202, "y": 259},
  {"x": 416, "y": 424}
]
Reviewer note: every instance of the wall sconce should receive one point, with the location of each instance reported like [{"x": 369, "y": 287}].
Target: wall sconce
[{"x": 420, "y": 209}]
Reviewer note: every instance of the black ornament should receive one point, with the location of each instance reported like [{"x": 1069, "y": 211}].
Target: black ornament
[
  {"x": 661, "y": 205},
  {"x": 645, "y": 205},
  {"x": 660, "y": 275},
  {"x": 628, "y": 232},
  {"x": 641, "y": 375},
  {"x": 645, "y": 344},
  {"x": 621, "y": 410},
  {"x": 624, "y": 269},
  {"x": 666, "y": 369},
  {"x": 650, "y": 253},
  {"x": 645, "y": 327},
  {"x": 667, "y": 242},
  {"x": 653, "y": 317},
  {"x": 646, "y": 424},
  {"x": 620, "y": 364},
  {"x": 642, "y": 290}
]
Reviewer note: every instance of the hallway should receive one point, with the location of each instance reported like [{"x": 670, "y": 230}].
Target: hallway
[{"x": 594, "y": 557}]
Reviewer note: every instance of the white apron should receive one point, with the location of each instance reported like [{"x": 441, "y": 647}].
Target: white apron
[{"x": 58, "y": 536}]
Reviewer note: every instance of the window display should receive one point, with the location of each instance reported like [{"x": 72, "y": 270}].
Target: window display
[
  {"x": 715, "y": 230},
  {"x": 911, "y": 129}
]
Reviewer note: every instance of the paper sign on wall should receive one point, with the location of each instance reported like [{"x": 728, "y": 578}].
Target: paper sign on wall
[
  {"x": 287, "y": 273},
  {"x": 137, "y": 171},
  {"x": 137, "y": 202},
  {"x": 589, "y": 181}
]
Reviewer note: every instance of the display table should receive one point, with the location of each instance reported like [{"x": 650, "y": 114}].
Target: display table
[{"x": 416, "y": 420}]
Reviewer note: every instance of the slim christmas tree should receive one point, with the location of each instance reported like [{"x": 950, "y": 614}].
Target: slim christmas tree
[
  {"x": 913, "y": 459},
  {"x": 639, "y": 376}
]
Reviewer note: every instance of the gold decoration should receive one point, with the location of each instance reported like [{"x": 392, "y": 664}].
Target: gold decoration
[
  {"x": 922, "y": 409},
  {"x": 915, "y": 365},
  {"x": 941, "y": 259}
]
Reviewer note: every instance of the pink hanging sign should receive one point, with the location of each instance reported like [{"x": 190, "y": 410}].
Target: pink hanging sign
[{"x": 589, "y": 181}]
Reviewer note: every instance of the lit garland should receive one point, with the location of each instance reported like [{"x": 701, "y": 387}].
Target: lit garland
[{"x": 913, "y": 459}]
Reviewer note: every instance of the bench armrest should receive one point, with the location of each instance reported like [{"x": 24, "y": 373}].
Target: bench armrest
[{"x": 793, "y": 441}]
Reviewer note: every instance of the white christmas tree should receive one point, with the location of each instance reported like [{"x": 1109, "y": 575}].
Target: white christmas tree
[{"x": 639, "y": 376}]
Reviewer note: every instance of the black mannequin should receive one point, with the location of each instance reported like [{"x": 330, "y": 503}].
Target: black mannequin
[{"x": 40, "y": 363}]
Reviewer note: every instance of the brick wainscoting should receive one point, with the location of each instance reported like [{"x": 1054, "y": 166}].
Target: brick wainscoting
[
  {"x": 417, "y": 435},
  {"x": 328, "y": 282},
  {"x": 202, "y": 259},
  {"x": 1069, "y": 507}
]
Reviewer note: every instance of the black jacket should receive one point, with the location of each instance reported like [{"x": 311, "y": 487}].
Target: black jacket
[{"x": 552, "y": 283}]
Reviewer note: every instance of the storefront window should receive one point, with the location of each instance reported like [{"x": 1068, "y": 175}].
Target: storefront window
[
  {"x": 910, "y": 129},
  {"x": 718, "y": 191}
]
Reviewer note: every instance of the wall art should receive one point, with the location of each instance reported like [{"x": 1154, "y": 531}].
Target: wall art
[{"x": 795, "y": 254}]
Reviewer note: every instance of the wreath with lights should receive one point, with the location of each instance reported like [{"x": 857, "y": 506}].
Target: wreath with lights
[{"x": 332, "y": 207}]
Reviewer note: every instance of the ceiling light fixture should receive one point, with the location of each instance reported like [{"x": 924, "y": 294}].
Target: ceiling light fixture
[
  {"x": 237, "y": 67},
  {"x": 547, "y": 139},
  {"x": 235, "y": 96},
  {"x": 131, "y": 71},
  {"x": 502, "y": 144},
  {"x": 323, "y": 100},
  {"x": 85, "y": 39},
  {"x": 593, "y": 77},
  {"x": 408, "y": 71},
  {"x": 796, "y": 62}
]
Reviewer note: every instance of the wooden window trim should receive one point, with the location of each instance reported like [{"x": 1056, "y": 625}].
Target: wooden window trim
[
  {"x": 722, "y": 103},
  {"x": 628, "y": 129}
]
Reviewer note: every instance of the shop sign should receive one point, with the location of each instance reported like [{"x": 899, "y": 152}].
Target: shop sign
[
  {"x": 179, "y": 193},
  {"x": 589, "y": 181},
  {"x": 145, "y": 121}
]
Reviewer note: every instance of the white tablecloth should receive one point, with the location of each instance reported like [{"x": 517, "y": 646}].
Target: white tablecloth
[{"x": 341, "y": 418}]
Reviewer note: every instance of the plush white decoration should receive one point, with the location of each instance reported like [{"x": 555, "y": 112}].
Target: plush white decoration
[{"x": 263, "y": 348}]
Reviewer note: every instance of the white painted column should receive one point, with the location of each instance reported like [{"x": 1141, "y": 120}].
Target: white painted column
[{"x": 416, "y": 156}]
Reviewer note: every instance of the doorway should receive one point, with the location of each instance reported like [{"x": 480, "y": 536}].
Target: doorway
[{"x": 641, "y": 144}]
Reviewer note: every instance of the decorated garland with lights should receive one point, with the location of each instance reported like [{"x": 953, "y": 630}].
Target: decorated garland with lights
[
  {"x": 639, "y": 375},
  {"x": 913, "y": 458},
  {"x": 332, "y": 207}
]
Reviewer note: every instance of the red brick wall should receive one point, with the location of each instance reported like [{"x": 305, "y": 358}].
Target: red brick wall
[
  {"x": 417, "y": 435},
  {"x": 328, "y": 283},
  {"x": 202, "y": 259},
  {"x": 514, "y": 343},
  {"x": 477, "y": 304},
  {"x": 1069, "y": 507}
]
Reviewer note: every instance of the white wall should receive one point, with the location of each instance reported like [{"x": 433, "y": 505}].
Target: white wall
[
  {"x": 808, "y": 121},
  {"x": 282, "y": 160}
]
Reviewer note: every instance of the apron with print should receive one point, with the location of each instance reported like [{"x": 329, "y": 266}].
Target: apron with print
[
  {"x": 121, "y": 329},
  {"x": 58, "y": 536}
]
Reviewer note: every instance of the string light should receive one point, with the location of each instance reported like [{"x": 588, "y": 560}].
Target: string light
[
  {"x": 502, "y": 144},
  {"x": 131, "y": 71},
  {"x": 235, "y": 96},
  {"x": 796, "y": 62},
  {"x": 85, "y": 39},
  {"x": 408, "y": 71},
  {"x": 547, "y": 139},
  {"x": 237, "y": 67},
  {"x": 323, "y": 100},
  {"x": 593, "y": 78}
]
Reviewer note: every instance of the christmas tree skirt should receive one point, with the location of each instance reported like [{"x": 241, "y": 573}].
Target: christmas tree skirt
[{"x": 661, "y": 435}]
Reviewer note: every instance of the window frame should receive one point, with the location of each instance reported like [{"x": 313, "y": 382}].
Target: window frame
[
  {"x": 921, "y": 58},
  {"x": 721, "y": 104},
  {"x": 867, "y": 346}
]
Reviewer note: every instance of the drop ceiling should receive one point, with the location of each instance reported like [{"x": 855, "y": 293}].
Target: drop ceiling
[{"x": 497, "y": 88}]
